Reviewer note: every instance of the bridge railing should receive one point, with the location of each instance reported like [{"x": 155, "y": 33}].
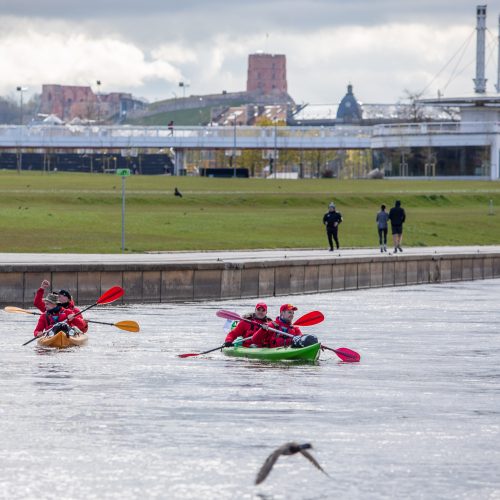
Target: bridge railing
[
  {"x": 429, "y": 128},
  {"x": 241, "y": 137},
  {"x": 179, "y": 131}
]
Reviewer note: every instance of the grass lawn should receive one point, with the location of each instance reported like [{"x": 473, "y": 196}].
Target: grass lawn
[{"x": 63, "y": 212}]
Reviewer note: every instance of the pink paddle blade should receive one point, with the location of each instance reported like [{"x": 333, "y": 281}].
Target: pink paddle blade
[
  {"x": 222, "y": 313},
  {"x": 188, "y": 355},
  {"x": 347, "y": 355}
]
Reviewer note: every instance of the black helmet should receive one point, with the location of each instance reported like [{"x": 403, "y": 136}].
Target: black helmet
[{"x": 65, "y": 293}]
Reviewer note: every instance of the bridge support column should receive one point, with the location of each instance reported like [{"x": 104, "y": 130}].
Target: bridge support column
[
  {"x": 495, "y": 158},
  {"x": 179, "y": 164}
]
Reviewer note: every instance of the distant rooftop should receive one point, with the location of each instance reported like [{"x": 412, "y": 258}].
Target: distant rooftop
[{"x": 375, "y": 111}]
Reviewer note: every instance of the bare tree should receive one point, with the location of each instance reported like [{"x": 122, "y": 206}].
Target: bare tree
[{"x": 411, "y": 110}]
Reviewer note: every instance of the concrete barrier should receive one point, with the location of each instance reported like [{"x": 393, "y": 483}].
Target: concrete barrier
[{"x": 197, "y": 281}]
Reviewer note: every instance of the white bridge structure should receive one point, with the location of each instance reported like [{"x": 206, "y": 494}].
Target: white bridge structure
[
  {"x": 377, "y": 137},
  {"x": 479, "y": 127}
]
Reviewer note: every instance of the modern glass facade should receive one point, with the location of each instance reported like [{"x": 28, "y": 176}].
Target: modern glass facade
[{"x": 463, "y": 161}]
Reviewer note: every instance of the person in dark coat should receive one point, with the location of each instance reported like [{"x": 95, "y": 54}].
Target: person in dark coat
[
  {"x": 381, "y": 219},
  {"x": 331, "y": 220},
  {"x": 397, "y": 216}
]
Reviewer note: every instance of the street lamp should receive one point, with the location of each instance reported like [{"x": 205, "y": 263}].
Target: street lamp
[
  {"x": 183, "y": 85},
  {"x": 200, "y": 112},
  {"x": 21, "y": 90},
  {"x": 233, "y": 157},
  {"x": 275, "y": 145},
  {"x": 98, "y": 82}
]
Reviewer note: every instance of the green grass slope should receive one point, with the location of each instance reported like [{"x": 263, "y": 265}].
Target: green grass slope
[{"x": 82, "y": 212}]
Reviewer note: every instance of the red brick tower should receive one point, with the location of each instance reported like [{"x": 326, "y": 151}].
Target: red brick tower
[{"x": 267, "y": 73}]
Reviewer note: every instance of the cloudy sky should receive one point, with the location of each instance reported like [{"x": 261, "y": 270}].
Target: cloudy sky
[{"x": 147, "y": 46}]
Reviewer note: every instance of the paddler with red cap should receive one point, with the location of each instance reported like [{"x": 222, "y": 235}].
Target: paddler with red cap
[
  {"x": 245, "y": 330},
  {"x": 267, "y": 338}
]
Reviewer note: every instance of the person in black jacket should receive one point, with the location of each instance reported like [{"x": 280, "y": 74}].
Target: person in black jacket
[
  {"x": 331, "y": 220},
  {"x": 397, "y": 216}
]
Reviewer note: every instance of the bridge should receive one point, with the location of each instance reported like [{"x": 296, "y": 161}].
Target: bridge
[{"x": 234, "y": 138}]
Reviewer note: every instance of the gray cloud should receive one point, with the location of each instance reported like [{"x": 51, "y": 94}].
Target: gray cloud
[{"x": 383, "y": 46}]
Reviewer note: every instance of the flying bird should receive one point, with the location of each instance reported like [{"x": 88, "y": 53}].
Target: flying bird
[
  {"x": 177, "y": 193},
  {"x": 286, "y": 449}
]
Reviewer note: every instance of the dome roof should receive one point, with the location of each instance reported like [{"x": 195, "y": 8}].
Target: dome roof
[{"x": 349, "y": 109}]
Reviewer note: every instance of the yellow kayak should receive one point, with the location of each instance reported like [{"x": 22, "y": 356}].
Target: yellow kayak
[{"x": 60, "y": 340}]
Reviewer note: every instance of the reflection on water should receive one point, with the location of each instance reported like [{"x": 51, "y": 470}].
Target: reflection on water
[{"x": 124, "y": 417}]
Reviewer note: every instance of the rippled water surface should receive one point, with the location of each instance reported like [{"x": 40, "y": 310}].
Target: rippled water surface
[{"x": 124, "y": 417}]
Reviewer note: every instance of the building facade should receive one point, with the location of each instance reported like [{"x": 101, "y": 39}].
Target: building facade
[
  {"x": 75, "y": 101},
  {"x": 267, "y": 73}
]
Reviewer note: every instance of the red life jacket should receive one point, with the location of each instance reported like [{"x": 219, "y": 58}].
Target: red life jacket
[
  {"x": 268, "y": 338},
  {"x": 245, "y": 329}
]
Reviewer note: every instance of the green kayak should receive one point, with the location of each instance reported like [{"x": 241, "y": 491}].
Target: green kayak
[{"x": 309, "y": 353}]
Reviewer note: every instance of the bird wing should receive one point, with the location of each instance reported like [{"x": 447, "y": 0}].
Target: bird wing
[
  {"x": 313, "y": 461},
  {"x": 268, "y": 465}
]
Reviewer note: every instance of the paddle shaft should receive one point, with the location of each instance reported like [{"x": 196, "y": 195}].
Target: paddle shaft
[
  {"x": 265, "y": 327},
  {"x": 127, "y": 325},
  {"x": 194, "y": 354},
  {"x": 37, "y": 337}
]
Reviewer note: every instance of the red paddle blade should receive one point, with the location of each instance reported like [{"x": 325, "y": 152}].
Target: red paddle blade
[
  {"x": 310, "y": 318},
  {"x": 347, "y": 355},
  {"x": 188, "y": 355},
  {"x": 228, "y": 315},
  {"x": 111, "y": 295}
]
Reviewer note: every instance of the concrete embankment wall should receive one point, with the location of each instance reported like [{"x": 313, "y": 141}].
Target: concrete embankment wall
[{"x": 185, "y": 282}]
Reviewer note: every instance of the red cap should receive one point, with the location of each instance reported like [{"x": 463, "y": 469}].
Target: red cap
[
  {"x": 287, "y": 307},
  {"x": 261, "y": 305}
]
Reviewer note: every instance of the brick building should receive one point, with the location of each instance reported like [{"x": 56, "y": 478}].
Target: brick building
[
  {"x": 267, "y": 73},
  {"x": 74, "y": 101}
]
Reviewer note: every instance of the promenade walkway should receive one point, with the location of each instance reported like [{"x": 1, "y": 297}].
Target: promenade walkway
[
  {"x": 234, "y": 256},
  {"x": 198, "y": 276}
]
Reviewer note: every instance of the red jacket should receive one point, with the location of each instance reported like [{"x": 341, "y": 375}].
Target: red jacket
[
  {"x": 70, "y": 308},
  {"x": 268, "y": 338},
  {"x": 245, "y": 329},
  {"x": 47, "y": 320}
]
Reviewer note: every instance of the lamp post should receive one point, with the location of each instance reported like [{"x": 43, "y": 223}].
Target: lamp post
[
  {"x": 275, "y": 145},
  {"x": 233, "y": 156},
  {"x": 21, "y": 90},
  {"x": 98, "y": 82},
  {"x": 183, "y": 85}
]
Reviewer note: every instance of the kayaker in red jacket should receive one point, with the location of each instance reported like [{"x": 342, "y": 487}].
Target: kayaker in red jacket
[
  {"x": 64, "y": 299},
  {"x": 54, "y": 315},
  {"x": 244, "y": 329},
  {"x": 267, "y": 338}
]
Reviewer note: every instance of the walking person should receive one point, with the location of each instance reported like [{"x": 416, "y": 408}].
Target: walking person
[
  {"x": 382, "y": 219},
  {"x": 397, "y": 216},
  {"x": 331, "y": 220}
]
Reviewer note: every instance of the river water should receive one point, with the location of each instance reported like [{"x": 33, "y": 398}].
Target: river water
[{"x": 125, "y": 418}]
